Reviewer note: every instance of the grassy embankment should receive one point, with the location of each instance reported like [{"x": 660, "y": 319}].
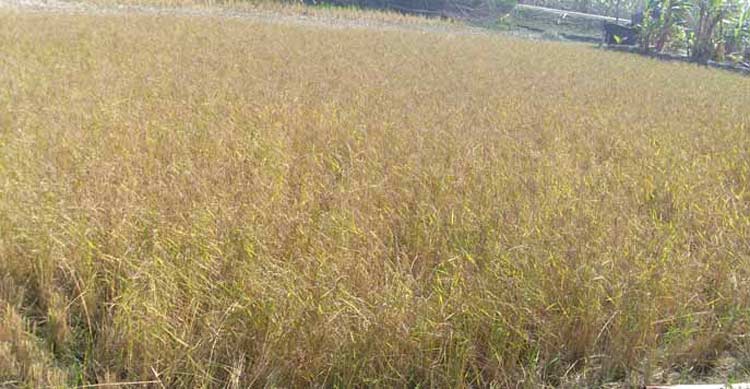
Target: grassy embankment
[{"x": 217, "y": 202}]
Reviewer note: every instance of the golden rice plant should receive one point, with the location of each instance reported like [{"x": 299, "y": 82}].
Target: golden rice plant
[{"x": 206, "y": 202}]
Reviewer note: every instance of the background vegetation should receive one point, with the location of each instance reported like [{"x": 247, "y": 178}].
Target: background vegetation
[
  {"x": 702, "y": 29},
  {"x": 203, "y": 202},
  {"x": 708, "y": 29}
]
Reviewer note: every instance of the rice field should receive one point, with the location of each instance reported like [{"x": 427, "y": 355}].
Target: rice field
[{"x": 210, "y": 202}]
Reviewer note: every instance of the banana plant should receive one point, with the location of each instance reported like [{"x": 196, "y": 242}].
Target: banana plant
[
  {"x": 650, "y": 24},
  {"x": 674, "y": 14},
  {"x": 661, "y": 18},
  {"x": 738, "y": 38},
  {"x": 707, "y": 16}
]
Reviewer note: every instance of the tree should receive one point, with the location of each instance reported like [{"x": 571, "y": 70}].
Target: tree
[
  {"x": 672, "y": 16},
  {"x": 707, "y": 15}
]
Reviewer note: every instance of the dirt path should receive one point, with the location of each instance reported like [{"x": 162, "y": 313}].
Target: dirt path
[{"x": 563, "y": 13}]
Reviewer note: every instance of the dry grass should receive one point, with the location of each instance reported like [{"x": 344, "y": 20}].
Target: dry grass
[
  {"x": 286, "y": 8},
  {"x": 221, "y": 203}
]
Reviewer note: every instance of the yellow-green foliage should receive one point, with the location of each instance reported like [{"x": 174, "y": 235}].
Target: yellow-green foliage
[{"x": 208, "y": 202}]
